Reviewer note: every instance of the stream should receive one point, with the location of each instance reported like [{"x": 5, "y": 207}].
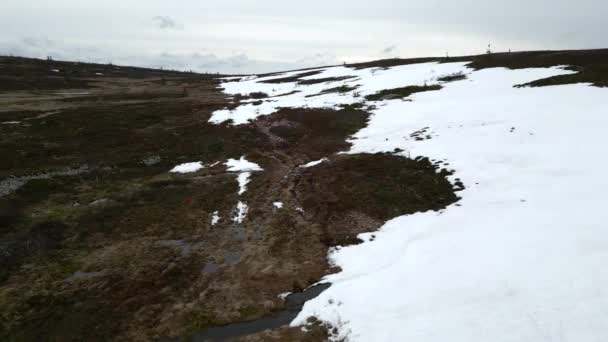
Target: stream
[{"x": 294, "y": 303}]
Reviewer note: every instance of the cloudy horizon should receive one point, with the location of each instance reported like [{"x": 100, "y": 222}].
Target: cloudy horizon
[{"x": 243, "y": 36}]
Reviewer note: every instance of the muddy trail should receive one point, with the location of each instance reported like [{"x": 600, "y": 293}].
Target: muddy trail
[{"x": 124, "y": 250}]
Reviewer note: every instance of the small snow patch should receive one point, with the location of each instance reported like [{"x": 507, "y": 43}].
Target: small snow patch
[
  {"x": 243, "y": 180},
  {"x": 242, "y": 165},
  {"x": 215, "y": 218},
  {"x": 283, "y": 295},
  {"x": 242, "y": 210},
  {"x": 245, "y": 168},
  {"x": 187, "y": 167},
  {"x": 278, "y": 205},
  {"x": 315, "y": 163}
]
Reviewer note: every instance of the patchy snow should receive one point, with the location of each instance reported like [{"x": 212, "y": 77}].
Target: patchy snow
[
  {"x": 522, "y": 257},
  {"x": 215, "y": 218},
  {"x": 242, "y": 165},
  {"x": 278, "y": 205},
  {"x": 368, "y": 81},
  {"x": 315, "y": 163},
  {"x": 242, "y": 210},
  {"x": 283, "y": 295},
  {"x": 187, "y": 167},
  {"x": 245, "y": 168},
  {"x": 243, "y": 179},
  {"x": 11, "y": 122}
]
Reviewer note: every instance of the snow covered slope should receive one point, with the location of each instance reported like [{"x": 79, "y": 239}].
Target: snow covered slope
[
  {"x": 293, "y": 94},
  {"x": 521, "y": 257}
]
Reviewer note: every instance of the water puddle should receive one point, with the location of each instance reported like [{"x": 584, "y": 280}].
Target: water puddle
[
  {"x": 210, "y": 267},
  {"x": 294, "y": 303},
  {"x": 232, "y": 258},
  {"x": 11, "y": 184},
  {"x": 239, "y": 233}
]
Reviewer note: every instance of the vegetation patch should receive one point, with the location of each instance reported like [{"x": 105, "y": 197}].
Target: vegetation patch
[
  {"x": 29, "y": 74},
  {"x": 291, "y": 79},
  {"x": 382, "y": 186},
  {"x": 399, "y": 93},
  {"x": 316, "y": 133},
  {"x": 390, "y": 62},
  {"x": 351, "y": 192},
  {"x": 325, "y": 80},
  {"x": 343, "y": 89},
  {"x": 459, "y": 76},
  {"x": 591, "y": 66},
  {"x": 258, "y": 95}
]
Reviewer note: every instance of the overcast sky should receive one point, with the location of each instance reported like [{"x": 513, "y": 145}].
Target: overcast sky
[{"x": 247, "y": 36}]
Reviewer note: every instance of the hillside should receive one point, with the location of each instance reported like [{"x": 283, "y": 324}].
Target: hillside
[{"x": 406, "y": 199}]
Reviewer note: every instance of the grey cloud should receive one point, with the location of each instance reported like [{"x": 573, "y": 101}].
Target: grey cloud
[
  {"x": 389, "y": 49},
  {"x": 165, "y": 22}
]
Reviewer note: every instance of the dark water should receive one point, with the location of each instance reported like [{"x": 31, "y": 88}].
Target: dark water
[{"x": 294, "y": 303}]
